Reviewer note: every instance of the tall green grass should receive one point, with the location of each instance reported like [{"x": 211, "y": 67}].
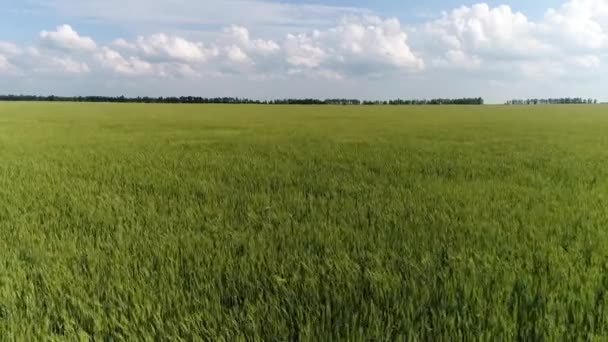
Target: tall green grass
[{"x": 161, "y": 222}]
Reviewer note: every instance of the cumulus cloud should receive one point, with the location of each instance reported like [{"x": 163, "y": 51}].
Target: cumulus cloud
[
  {"x": 10, "y": 48},
  {"x": 496, "y": 33},
  {"x": 69, "y": 65},
  {"x": 233, "y": 50},
  {"x": 235, "y": 54},
  {"x": 500, "y": 39},
  {"x": 580, "y": 23},
  {"x": 5, "y": 65},
  {"x": 358, "y": 45},
  {"x": 241, "y": 37},
  {"x": 159, "y": 55},
  {"x": 16, "y": 60},
  {"x": 458, "y": 59},
  {"x": 65, "y": 38},
  {"x": 132, "y": 66},
  {"x": 379, "y": 41},
  {"x": 167, "y": 48},
  {"x": 477, "y": 37},
  {"x": 304, "y": 50},
  {"x": 121, "y": 43}
]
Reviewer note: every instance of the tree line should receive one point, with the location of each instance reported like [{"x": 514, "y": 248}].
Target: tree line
[
  {"x": 237, "y": 100},
  {"x": 400, "y": 102},
  {"x": 564, "y": 100}
]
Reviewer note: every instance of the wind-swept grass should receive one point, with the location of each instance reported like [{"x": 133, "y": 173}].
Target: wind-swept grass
[{"x": 159, "y": 222}]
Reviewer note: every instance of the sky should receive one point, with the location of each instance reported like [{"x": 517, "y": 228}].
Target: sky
[{"x": 266, "y": 49}]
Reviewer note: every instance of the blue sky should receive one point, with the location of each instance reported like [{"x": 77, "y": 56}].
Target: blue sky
[
  {"x": 422, "y": 10},
  {"x": 297, "y": 48},
  {"x": 24, "y": 19}
]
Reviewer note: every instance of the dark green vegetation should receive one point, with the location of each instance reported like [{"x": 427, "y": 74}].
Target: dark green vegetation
[
  {"x": 563, "y": 100},
  {"x": 282, "y": 222},
  {"x": 235, "y": 100}
]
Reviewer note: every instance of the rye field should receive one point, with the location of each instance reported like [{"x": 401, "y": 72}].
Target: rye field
[{"x": 123, "y": 222}]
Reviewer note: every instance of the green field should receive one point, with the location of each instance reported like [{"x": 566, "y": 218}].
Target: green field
[{"x": 210, "y": 222}]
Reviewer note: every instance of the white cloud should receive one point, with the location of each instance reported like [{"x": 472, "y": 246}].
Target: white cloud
[
  {"x": 587, "y": 62},
  {"x": 10, "y": 48},
  {"x": 16, "y": 60},
  {"x": 6, "y": 66},
  {"x": 237, "y": 55},
  {"x": 31, "y": 52},
  {"x": 358, "y": 45},
  {"x": 241, "y": 37},
  {"x": 120, "y": 43},
  {"x": 66, "y": 38},
  {"x": 459, "y": 59},
  {"x": 69, "y": 65},
  {"x": 304, "y": 50},
  {"x": 478, "y": 37},
  {"x": 160, "y": 55},
  {"x": 495, "y": 33},
  {"x": 500, "y": 40},
  {"x": 170, "y": 48},
  {"x": 135, "y": 66},
  {"x": 127, "y": 66},
  {"x": 538, "y": 71},
  {"x": 580, "y": 23}
]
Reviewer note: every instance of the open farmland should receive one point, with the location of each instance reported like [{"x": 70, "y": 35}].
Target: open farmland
[{"x": 233, "y": 222}]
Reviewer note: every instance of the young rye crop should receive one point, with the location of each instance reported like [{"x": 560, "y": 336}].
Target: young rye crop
[{"x": 210, "y": 222}]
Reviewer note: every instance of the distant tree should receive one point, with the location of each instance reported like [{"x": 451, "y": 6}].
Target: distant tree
[
  {"x": 237, "y": 100},
  {"x": 563, "y": 100}
]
